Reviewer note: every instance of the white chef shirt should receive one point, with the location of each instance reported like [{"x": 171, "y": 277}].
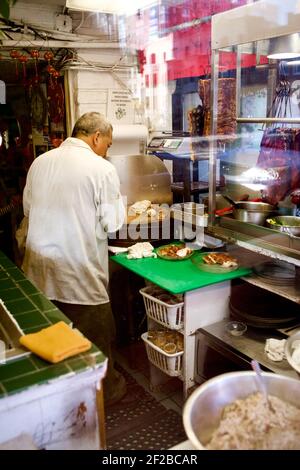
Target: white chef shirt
[{"x": 72, "y": 198}]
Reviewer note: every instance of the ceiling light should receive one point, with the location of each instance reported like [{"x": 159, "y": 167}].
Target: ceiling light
[
  {"x": 115, "y": 7},
  {"x": 284, "y": 47}
]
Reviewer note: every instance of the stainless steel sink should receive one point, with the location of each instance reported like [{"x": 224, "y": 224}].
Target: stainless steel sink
[{"x": 10, "y": 333}]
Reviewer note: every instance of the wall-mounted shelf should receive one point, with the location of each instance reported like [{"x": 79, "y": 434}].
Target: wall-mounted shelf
[{"x": 268, "y": 120}]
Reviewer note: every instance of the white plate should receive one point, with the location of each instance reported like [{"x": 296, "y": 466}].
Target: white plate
[{"x": 211, "y": 268}]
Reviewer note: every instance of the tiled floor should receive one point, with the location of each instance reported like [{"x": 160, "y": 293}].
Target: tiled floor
[{"x": 133, "y": 359}]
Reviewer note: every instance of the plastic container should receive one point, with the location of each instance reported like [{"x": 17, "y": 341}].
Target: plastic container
[
  {"x": 169, "y": 315},
  {"x": 171, "y": 364}
]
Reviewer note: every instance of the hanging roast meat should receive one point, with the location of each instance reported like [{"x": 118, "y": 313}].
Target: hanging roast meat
[{"x": 226, "y": 124}]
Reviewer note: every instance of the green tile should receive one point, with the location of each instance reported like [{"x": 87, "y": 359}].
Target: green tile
[
  {"x": 77, "y": 364},
  {"x": 41, "y": 302},
  {"x": 32, "y": 329},
  {"x": 13, "y": 369},
  {"x": 39, "y": 362},
  {"x": 39, "y": 377},
  {"x": 27, "y": 287},
  {"x": 100, "y": 358},
  {"x": 2, "y": 392},
  {"x": 93, "y": 349},
  {"x": 97, "y": 358},
  {"x": 6, "y": 284},
  {"x": 28, "y": 320},
  {"x": 16, "y": 274},
  {"x": 56, "y": 315},
  {"x": 3, "y": 274},
  {"x": 20, "y": 306},
  {"x": 6, "y": 263},
  {"x": 11, "y": 295}
]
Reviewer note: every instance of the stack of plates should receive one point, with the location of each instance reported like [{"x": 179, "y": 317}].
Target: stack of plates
[
  {"x": 278, "y": 273},
  {"x": 261, "y": 309}
]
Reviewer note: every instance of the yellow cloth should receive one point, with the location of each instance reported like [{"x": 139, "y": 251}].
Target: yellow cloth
[{"x": 56, "y": 343}]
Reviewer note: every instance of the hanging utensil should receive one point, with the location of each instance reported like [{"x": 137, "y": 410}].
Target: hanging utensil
[{"x": 232, "y": 202}]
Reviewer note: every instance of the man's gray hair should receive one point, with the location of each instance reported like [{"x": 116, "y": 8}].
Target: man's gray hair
[{"x": 89, "y": 123}]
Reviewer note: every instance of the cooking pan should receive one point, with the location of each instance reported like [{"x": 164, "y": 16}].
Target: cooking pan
[
  {"x": 252, "y": 212},
  {"x": 285, "y": 223}
]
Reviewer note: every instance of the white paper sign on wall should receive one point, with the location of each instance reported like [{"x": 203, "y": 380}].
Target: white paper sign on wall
[{"x": 120, "y": 107}]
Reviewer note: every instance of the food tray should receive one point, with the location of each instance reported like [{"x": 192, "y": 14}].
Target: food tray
[
  {"x": 171, "y": 364},
  {"x": 166, "y": 314}
]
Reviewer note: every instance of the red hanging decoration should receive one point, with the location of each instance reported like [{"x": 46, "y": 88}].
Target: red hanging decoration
[
  {"x": 34, "y": 53},
  {"x": 14, "y": 54},
  {"x": 49, "y": 56},
  {"x": 50, "y": 69},
  {"x": 141, "y": 60},
  {"x": 56, "y": 75},
  {"x": 56, "y": 105},
  {"x": 24, "y": 59}
]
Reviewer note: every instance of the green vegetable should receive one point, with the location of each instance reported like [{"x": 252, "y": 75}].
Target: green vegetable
[{"x": 274, "y": 222}]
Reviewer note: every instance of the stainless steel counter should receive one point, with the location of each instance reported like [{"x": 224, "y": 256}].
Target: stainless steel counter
[{"x": 248, "y": 346}]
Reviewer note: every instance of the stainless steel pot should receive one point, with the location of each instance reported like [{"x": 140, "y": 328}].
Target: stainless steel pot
[
  {"x": 252, "y": 212},
  {"x": 287, "y": 224},
  {"x": 203, "y": 409}
]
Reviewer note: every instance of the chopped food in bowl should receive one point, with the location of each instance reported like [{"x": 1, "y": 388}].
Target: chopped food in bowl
[
  {"x": 174, "y": 251},
  {"x": 229, "y": 412}
]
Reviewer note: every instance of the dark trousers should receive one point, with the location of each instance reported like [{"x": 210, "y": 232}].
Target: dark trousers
[{"x": 96, "y": 322}]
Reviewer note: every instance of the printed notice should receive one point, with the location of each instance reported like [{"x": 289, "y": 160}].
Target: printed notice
[{"x": 120, "y": 107}]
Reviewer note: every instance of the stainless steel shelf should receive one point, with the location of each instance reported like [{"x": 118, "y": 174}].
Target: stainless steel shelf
[
  {"x": 260, "y": 239},
  {"x": 290, "y": 292},
  {"x": 249, "y": 346},
  {"x": 268, "y": 120}
]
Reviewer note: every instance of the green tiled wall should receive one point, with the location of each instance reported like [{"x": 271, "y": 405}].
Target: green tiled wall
[{"x": 33, "y": 311}]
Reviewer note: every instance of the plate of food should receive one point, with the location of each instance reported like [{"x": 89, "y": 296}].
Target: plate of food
[
  {"x": 174, "y": 252},
  {"x": 144, "y": 212},
  {"x": 218, "y": 262}
]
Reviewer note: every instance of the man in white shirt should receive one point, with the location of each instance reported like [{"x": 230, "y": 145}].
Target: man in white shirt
[{"x": 72, "y": 200}]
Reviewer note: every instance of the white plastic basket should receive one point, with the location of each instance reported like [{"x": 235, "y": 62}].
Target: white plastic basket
[
  {"x": 167, "y": 315},
  {"x": 171, "y": 364}
]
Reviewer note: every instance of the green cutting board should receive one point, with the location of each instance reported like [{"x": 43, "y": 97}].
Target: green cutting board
[{"x": 175, "y": 276}]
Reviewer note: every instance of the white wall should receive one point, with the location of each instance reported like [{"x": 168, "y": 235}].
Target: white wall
[{"x": 94, "y": 71}]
